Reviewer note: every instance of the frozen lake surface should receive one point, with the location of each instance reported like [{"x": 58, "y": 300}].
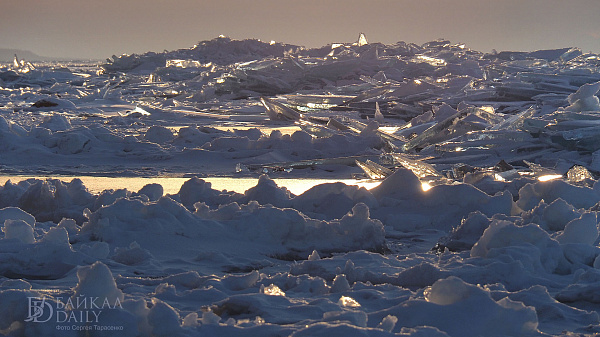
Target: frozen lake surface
[
  {"x": 172, "y": 185},
  {"x": 217, "y": 192}
]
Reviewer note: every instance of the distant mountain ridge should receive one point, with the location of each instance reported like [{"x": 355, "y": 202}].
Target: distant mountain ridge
[{"x": 7, "y": 55}]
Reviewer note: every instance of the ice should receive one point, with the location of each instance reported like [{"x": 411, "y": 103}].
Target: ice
[
  {"x": 448, "y": 291},
  {"x": 18, "y": 230},
  {"x": 513, "y": 122},
  {"x": 340, "y": 284},
  {"x": 483, "y": 221},
  {"x": 132, "y": 255},
  {"x": 333, "y": 200},
  {"x": 97, "y": 281},
  {"x": 536, "y": 250},
  {"x": 450, "y": 301},
  {"x": 581, "y": 230},
  {"x": 419, "y": 168},
  {"x": 314, "y": 256},
  {"x": 378, "y": 115},
  {"x": 557, "y": 214},
  {"x": 98, "y": 250},
  {"x": 22, "y": 66},
  {"x": 373, "y": 170},
  {"x": 410, "y": 207},
  {"x": 432, "y": 135},
  {"x": 266, "y": 191},
  {"x": 15, "y": 213},
  {"x": 467, "y": 233},
  {"x": 388, "y": 323},
  {"x": 532, "y": 193},
  {"x": 195, "y": 190},
  {"x": 164, "y": 320},
  {"x": 159, "y": 134},
  {"x": 56, "y": 123},
  {"x": 278, "y": 111},
  {"x": 272, "y": 290},
  {"x": 362, "y": 40},
  {"x": 584, "y": 99},
  {"x": 152, "y": 191}
]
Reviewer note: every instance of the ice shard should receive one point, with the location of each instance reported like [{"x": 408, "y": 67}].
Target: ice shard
[
  {"x": 543, "y": 173},
  {"x": 514, "y": 122},
  {"x": 503, "y": 166},
  {"x": 435, "y": 133},
  {"x": 317, "y": 130},
  {"x": 378, "y": 115},
  {"x": 579, "y": 174},
  {"x": 413, "y": 89},
  {"x": 277, "y": 111},
  {"x": 22, "y": 66},
  {"x": 371, "y": 93},
  {"x": 283, "y": 166},
  {"x": 307, "y": 102},
  {"x": 373, "y": 170},
  {"x": 335, "y": 124},
  {"x": 405, "y": 112},
  {"x": 421, "y": 169},
  {"x": 582, "y": 133},
  {"x": 372, "y": 81},
  {"x": 374, "y": 127},
  {"x": 362, "y": 40}
]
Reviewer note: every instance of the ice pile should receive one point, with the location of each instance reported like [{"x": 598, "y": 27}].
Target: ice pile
[
  {"x": 441, "y": 98},
  {"x": 485, "y": 221},
  {"x": 525, "y": 259}
]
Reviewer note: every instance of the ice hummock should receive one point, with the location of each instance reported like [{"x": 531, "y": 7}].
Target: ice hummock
[{"x": 484, "y": 221}]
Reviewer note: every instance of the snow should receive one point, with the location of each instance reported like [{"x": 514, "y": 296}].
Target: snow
[
  {"x": 19, "y": 230},
  {"x": 584, "y": 99},
  {"x": 581, "y": 230},
  {"x": 458, "y": 308},
  {"x": 15, "y": 213},
  {"x": 97, "y": 281},
  {"x": 483, "y": 222}
]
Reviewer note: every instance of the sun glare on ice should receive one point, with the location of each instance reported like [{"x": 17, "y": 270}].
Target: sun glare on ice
[
  {"x": 273, "y": 290},
  {"x": 499, "y": 177},
  {"x": 548, "y": 177},
  {"x": 426, "y": 186},
  {"x": 346, "y": 301}
]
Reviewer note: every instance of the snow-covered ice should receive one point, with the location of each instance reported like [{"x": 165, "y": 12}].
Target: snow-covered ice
[{"x": 483, "y": 221}]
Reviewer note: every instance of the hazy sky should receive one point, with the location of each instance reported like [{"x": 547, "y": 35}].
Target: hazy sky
[{"x": 99, "y": 29}]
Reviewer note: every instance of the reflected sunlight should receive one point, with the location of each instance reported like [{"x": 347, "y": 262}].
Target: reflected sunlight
[
  {"x": 548, "y": 177},
  {"x": 346, "y": 301},
  {"x": 171, "y": 185},
  {"x": 272, "y": 290},
  {"x": 499, "y": 177},
  {"x": 426, "y": 186}
]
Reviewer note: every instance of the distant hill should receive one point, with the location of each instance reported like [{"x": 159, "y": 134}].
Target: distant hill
[{"x": 7, "y": 55}]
